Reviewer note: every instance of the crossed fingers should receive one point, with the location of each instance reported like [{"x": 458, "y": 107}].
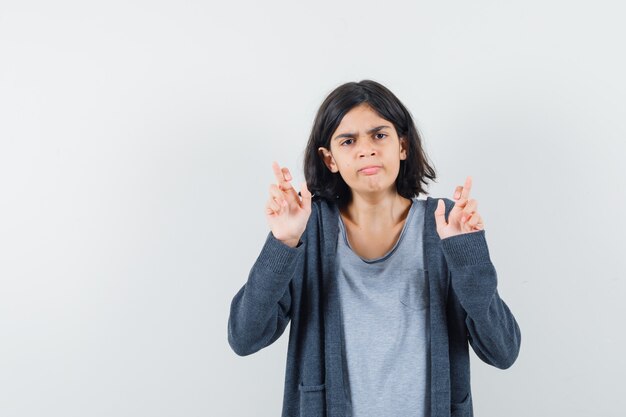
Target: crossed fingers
[
  {"x": 283, "y": 178},
  {"x": 465, "y": 208}
]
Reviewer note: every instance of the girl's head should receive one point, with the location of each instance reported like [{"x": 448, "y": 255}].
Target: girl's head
[{"x": 358, "y": 125}]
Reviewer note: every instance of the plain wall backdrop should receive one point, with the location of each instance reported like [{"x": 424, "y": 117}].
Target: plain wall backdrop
[{"x": 136, "y": 142}]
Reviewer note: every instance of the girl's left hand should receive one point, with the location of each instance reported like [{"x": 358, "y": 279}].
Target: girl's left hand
[{"x": 463, "y": 217}]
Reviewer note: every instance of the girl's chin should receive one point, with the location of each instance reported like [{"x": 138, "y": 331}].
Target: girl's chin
[{"x": 372, "y": 188}]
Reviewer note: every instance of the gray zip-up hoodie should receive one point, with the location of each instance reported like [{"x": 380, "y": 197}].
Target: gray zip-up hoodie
[{"x": 298, "y": 285}]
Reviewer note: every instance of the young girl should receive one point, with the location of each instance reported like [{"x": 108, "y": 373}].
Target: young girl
[{"x": 384, "y": 291}]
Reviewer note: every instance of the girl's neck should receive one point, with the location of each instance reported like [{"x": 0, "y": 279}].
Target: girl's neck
[{"x": 376, "y": 212}]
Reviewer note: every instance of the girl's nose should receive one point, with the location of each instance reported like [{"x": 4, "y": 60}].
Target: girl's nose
[{"x": 367, "y": 148}]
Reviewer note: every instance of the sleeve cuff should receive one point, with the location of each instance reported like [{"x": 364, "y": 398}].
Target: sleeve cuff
[
  {"x": 278, "y": 257},
  {"x": 466, "y": 249}
]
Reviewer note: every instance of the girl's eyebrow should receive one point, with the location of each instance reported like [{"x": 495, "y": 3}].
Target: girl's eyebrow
[{"x": 372, "y": 130}]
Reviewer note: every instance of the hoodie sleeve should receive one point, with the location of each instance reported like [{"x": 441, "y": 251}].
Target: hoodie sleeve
[
  {"x": 493, "y": 331},
  {"x": 260, "y": 311}
]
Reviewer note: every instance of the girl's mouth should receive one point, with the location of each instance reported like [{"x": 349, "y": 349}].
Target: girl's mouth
[{"x": 370, "y": 171}]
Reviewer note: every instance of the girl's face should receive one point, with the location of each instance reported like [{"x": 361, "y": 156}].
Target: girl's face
[{"x": 364, "y": 139}]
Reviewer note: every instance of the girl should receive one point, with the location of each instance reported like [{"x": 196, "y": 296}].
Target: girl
[{"x": 384, "y": 291}]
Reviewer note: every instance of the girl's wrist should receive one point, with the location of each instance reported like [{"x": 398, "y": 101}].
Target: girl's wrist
[{"x": 292, "y": 243}]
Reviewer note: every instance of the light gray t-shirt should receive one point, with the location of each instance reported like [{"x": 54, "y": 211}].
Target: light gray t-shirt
[{"x": 385, "y": 319}]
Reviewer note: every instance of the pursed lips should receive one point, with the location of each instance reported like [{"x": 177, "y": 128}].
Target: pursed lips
[
  {"x": 369, "y": 166},
  {"x": 370, "y": 170}
]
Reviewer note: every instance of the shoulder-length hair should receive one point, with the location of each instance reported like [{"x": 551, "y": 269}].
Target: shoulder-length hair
[{"x": 414, "y": 170}]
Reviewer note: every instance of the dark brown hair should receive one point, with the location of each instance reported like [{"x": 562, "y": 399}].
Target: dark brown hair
[{"x": 414, "y": 170}]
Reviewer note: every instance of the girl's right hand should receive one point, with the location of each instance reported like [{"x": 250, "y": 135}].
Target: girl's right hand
[{"x": 286, "y": 215}]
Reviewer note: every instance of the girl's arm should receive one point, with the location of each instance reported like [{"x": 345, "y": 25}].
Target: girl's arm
[
  {"x": 260, "y": 311},
  {"x": 493, "y": 331}
]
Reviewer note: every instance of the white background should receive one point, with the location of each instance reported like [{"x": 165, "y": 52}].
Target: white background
[{"x": 136, "y": 142}]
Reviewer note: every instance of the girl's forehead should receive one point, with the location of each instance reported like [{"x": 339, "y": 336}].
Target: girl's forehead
[{"x": 362, "y": 117}]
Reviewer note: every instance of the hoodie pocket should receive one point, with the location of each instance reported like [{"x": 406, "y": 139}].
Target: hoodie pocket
[
  {"x": 462, "y": 409},
  {"x": 312, "y": 400}
]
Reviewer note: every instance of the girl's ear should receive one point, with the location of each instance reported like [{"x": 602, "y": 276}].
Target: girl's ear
[
  {"x": 404, "y": 148},
  {"x": 328, "y": 159}
]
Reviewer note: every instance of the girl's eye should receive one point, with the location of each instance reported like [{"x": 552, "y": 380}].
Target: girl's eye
[{"x": 346, "y": 141}]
